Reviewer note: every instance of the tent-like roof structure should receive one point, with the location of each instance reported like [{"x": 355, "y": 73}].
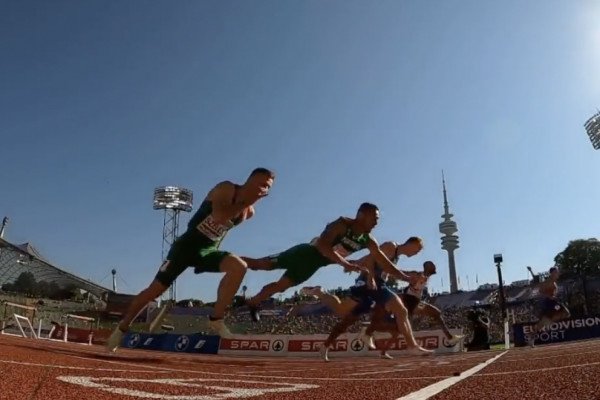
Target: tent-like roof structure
[{"x": 16, "y": 259}]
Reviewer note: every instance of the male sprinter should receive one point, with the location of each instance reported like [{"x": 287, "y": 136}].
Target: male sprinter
[
  {"x": 412, "y": 300},
  {"x": 340, "y": 238},
  {"x": 363, "y": 297},
  {"x": 225, "y": 206},
  {"x": 550, "y": 308}
]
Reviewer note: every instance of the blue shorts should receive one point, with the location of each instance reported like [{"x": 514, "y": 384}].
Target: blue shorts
[
  {"x": 384, "y": 294},
  {"x": 365, "y": 298}
]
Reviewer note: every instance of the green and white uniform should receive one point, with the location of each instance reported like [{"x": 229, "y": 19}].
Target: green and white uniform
[
  {"x": 303, "y": 260},
  {"x": 198, "y": 246}
]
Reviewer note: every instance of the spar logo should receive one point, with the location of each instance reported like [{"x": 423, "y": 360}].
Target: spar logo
[
  {"x": 315, "y": 345},
  {"x": 428, "y": 342},
  {"x": 277, "y": 345},
  {"x": 134, "y": 340},
  {"x": 357, "y": 345},
  {"x": 249, "y": 344},
  {"x": 182, "y": 343}
]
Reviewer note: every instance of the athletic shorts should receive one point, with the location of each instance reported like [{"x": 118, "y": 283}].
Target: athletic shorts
[
  {"x": 365, "y": 298},
  {"x": 549, "y": 307},
  {"x": 410, "y": 302},
  {"x": 187, "y": 252},
  {"x": 384, "y": 294},
  {"x": 299, "y": 262}
]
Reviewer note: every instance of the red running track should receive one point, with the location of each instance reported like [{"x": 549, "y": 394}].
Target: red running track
[{"x": 42, "y": 370}]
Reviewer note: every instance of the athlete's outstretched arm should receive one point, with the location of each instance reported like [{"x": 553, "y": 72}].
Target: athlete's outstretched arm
[
  {"x": 384, "y": 262},
  {"x": 325, "y": 244}
]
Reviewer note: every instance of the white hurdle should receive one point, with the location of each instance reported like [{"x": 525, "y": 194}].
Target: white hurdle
[
  {"x": 18, "y": 319},
  {"x": 89, "y": 320}
]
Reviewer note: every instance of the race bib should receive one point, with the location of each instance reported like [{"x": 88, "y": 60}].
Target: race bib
[{"x": 211, "y": 229}]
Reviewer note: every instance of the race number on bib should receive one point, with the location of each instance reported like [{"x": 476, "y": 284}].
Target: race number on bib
[{"x": 211, "y": 229}]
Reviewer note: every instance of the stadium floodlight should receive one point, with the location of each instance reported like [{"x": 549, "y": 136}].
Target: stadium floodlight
[
  {"x": 592, "y": 127},
  {"x": 173, "y": 200}
]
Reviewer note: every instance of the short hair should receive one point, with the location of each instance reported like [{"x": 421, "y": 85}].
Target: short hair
[
  {"x": 553, "y": 269},
  {"x": 367, "y": 207},
  {"x": 414, "y": 239},
  {"x": 262, "y": 171}
]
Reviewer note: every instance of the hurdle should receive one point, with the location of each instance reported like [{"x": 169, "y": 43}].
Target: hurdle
[
  {"x": 63, "y": 332},
  {"x": 18, "y": 319}
]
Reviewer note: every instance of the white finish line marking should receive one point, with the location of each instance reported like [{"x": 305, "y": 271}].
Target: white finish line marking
[
  {"x": 231, "y": 392},
  {"x": 432, "y": 390}
]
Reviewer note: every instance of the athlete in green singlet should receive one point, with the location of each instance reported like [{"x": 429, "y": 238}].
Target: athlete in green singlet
[
  {"x": 340, "y": 238},
  {"x": 225, "y": 206}
]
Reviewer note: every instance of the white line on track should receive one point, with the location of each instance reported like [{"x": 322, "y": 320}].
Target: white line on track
[
  {"x": 166, "y": 369},
  {"x": 525, "y": 371},
  {"x": 28, "y": 364},
  {"x": 432, "y": 390}
]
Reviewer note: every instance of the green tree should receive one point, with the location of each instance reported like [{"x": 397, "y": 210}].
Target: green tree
[
  {"x": 25, "y": 283},
  {"x": 580, "y": 257}
]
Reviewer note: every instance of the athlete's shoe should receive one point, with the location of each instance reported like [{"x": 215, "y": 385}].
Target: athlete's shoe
[
  {"x": 324, "y": 352},
  {"x": 455, "y": 339},
  {"x": 218, "y": 326},
  {"x": 418, "y": 351},
  {"x": 310, "y": 290},
  {"x": 367, "y": 339},
  {"x": 386, "y": 356},
  {"x": 115, "y": 339}
]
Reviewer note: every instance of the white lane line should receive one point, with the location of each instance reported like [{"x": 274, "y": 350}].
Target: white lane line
[
  {"x": 382, "y": 371},
  {"x": 28, "y": 364},
  {"x": 525, "y": 371},
  {"x": 166, "y": 369},
  {"x": 437, "y": 387}
]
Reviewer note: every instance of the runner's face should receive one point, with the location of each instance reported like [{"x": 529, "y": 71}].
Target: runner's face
[
  {"x": 370, "y": 219},
  {"x": 259, "y": 185},
  {"x": 413, "y": 248},
  {"x": 429, "y": 269}
]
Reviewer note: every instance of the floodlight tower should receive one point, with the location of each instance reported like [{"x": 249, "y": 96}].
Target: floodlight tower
[
  {"x": 592, "y": 127},
  {"x": 173, "y": 200}
]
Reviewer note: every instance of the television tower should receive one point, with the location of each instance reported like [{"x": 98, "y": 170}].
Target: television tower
[
  {"x": 449, "y": 240},
  {"x": 173, "y": 200}
]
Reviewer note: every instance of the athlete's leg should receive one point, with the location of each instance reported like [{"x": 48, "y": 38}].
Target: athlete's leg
[
  {"x": 394, "y": 305},
  {"x": 141, "y": 300},
  {"x": 269, "y": 290},
  {"x": 434, "y": 313},
  {"x": 378, "y": 320},
  {"x": 167, "y": 273},
  {"x": 340, "y": 307},
  {"x": 235, "y": 269}
]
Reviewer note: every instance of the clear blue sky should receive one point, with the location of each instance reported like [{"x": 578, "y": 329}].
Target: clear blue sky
[{"x": 348, "y": 101}]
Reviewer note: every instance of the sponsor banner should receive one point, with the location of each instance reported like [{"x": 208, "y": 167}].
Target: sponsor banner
[
  {"x": 345, "y": 345},
  {"x": 195, "y": 343},
  {"x": 311, "y": 344},
  {"x": 561, "y": 331},
  {"x": 144, "y": 341},
  {"x": 254, "y": 345}
]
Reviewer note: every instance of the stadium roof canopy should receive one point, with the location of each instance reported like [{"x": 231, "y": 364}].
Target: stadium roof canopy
[{"x": 16, "y": 259}]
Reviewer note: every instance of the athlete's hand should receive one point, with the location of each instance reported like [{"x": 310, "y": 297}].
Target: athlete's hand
[{"x": 351, "y": 267}]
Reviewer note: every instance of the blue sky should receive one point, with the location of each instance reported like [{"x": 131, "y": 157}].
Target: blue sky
[{"x": 348, "y": 101}]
